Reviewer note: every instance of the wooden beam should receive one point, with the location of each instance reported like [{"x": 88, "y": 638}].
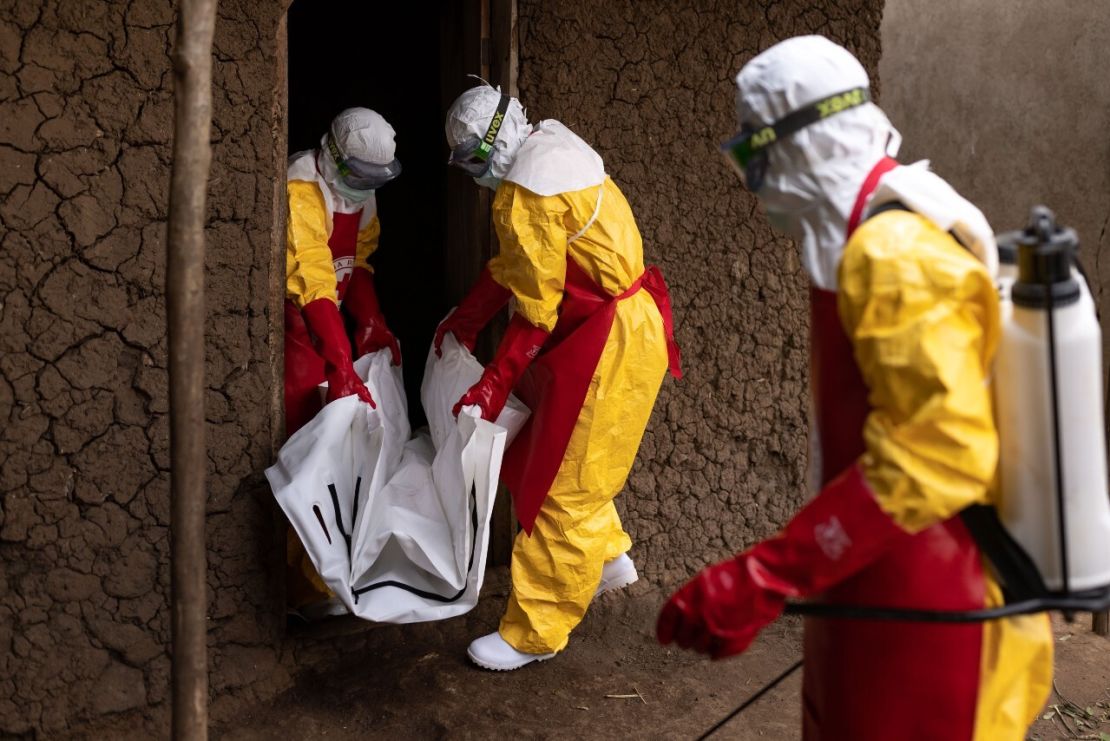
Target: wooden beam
[
  {"x": 275, "y": 304},
  {"x": 503, "y": 72},
  {"x": 192, "y": 155},
  {"x": 504, "y": 46},
  {"x": 467, "y": 217},
  {"x": 478, "y": 37}
]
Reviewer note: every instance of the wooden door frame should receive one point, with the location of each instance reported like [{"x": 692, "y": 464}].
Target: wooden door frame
[{"x": 479, "y": 37}]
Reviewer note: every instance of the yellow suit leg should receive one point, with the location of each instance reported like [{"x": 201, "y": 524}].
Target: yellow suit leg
[
  {"x": 1015, "y": 676},
  {"x": 557, "y": 569},
  {"x": 302, "y": 584}
]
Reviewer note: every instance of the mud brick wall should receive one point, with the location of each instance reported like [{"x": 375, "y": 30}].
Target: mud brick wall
[
  {"x": 85, "y": 130},
  {"x": 1007, "y": 127},
  {"x": 649, "y": 84}
]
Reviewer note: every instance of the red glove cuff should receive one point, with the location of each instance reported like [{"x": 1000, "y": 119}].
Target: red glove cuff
[
  {"x": 361, "y": 304},
  {"x": 519, "y": 347},
  {"x": 329, "y": 335},
  {"x": 485, "y": 299},
  {"x": 837, "y": 534},
  {"x": 361, "y": 299},
  {"x": 325, "y": 323}
]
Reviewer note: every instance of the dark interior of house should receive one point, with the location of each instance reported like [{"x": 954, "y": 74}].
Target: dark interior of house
[{"x": 387, "y": 57}]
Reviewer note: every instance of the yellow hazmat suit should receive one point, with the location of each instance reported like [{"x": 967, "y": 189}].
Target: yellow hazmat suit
[
  {"x": 325, "y": 240},
  {"x": 922, "y": 316},
  {"x": 556, "y": 569},
  {"x": 312, "y": 271}
]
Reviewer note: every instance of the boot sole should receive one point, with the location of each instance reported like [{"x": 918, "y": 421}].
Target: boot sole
[{"x": 504, "y": 668}]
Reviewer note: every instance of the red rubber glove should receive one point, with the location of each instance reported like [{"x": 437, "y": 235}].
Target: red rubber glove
[
  {"x": 720, "y": 611},
  {"x": 360, "y": 302},
  {"x": 323, "y": 320},
  {"x": 485, "y": 299},
  {"x": 519, "y": 347}
]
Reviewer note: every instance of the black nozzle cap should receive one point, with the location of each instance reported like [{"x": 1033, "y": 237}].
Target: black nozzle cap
[
  {"x": 1007, "y": 251},
  {"x": 1045, "y": 253}
]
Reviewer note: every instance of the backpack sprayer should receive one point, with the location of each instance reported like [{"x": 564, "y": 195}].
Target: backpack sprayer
[{"x": 1047, "y": 540}]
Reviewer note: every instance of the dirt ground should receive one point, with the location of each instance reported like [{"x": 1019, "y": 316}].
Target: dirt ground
[{"x": 613, "y": 682}]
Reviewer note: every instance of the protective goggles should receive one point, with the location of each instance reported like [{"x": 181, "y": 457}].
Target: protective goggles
[
  {"x": 472, "y": 155},
  {"x": 747, "y": 151},
  {"x": 358, "y": 174}
]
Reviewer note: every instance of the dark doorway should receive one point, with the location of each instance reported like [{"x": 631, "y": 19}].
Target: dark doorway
[
  {"x": 409, "y": 61},
  {"x": 385, "y": 56}
]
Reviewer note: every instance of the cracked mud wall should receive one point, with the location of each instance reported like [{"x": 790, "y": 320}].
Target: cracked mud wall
[
  {"x": 85, "y": 129},
  {"x": 1014, "y": 112},
  {"x": 649, "y": 84}
]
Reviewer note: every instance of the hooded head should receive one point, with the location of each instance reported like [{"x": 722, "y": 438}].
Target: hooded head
[
  {"x": 813, "y": 175},
  {"x": 485, "y": 130},
  {"x": 357, "y": 154}
]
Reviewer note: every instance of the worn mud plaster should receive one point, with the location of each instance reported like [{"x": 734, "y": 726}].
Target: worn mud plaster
[
  {"x": 85, "y": 130},
  {"x": 650, "y": 85},
  {"x": 996, "y": 135}
]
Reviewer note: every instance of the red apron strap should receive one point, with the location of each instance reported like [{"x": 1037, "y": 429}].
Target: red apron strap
[
  {"x": 882, "y": 167},
  {"x": 652, "y": 281},
  {"x": 343, "y": 243}
]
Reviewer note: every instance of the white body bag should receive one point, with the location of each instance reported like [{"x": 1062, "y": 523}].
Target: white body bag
[{"x": 398, "y": 528}]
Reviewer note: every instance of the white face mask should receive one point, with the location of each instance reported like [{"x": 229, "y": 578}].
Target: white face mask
[
  {"x": 349, "y": 194},
  {"x": 489, "y": 181}
]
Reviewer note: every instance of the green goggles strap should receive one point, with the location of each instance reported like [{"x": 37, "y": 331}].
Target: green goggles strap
[
  {"x": 764, "y": 137},
  {"x": 337, "y": 156},
  {"x": 485, "y": 146}
]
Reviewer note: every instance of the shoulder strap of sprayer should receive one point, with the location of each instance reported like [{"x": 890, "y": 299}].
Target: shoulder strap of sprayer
[
  {"x": 899, "y": 206},
  {"x": 888, "y": 206},
  {"x": 1015, "y": 570}
]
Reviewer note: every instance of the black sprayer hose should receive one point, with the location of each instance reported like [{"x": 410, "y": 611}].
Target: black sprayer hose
[
  {"x": 766, "y": 688},
  {"x": 1056, "y": 446},
  {"x": 1067, "y": 603},
  {"x": 1086, "y": 602}
]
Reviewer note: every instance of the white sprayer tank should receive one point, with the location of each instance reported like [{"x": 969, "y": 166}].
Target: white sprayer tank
[{"x": 1028, "y": 424}]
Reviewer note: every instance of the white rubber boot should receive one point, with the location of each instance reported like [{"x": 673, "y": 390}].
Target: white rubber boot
[
  {"x": 617, "y": 574},
  {"x": 494, "y": 653},
  {"x": 316, "y": 611}
]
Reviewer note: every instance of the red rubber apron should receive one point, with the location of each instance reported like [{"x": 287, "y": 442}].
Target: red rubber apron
[
  {"x": 877, "y": 680},
  {"x": 555, "y": 385},
  {"x": 343, "y": 241},
  {"x": 304, "y": 368}
]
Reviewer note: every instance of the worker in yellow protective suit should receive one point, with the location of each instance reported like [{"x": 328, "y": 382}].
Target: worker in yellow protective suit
[
  {"x": 905, "y": 322},
  {"x": 332, "y": 313},
  {"x": 586, "y": 349}
]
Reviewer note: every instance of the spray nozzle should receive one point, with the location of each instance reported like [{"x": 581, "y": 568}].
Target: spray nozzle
[
  {"x": 1044, "y": 252},
  {"x": 1042, "y": 224}
]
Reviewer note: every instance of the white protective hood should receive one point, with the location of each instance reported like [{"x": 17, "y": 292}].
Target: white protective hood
[
  {"x": 360, "y": 133},
  {"x": 365, "y": 135},
  {"x": 470, "y": 115},
  {"x": 556, "y": 160},
  {"x": 814, "y": 175}
]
